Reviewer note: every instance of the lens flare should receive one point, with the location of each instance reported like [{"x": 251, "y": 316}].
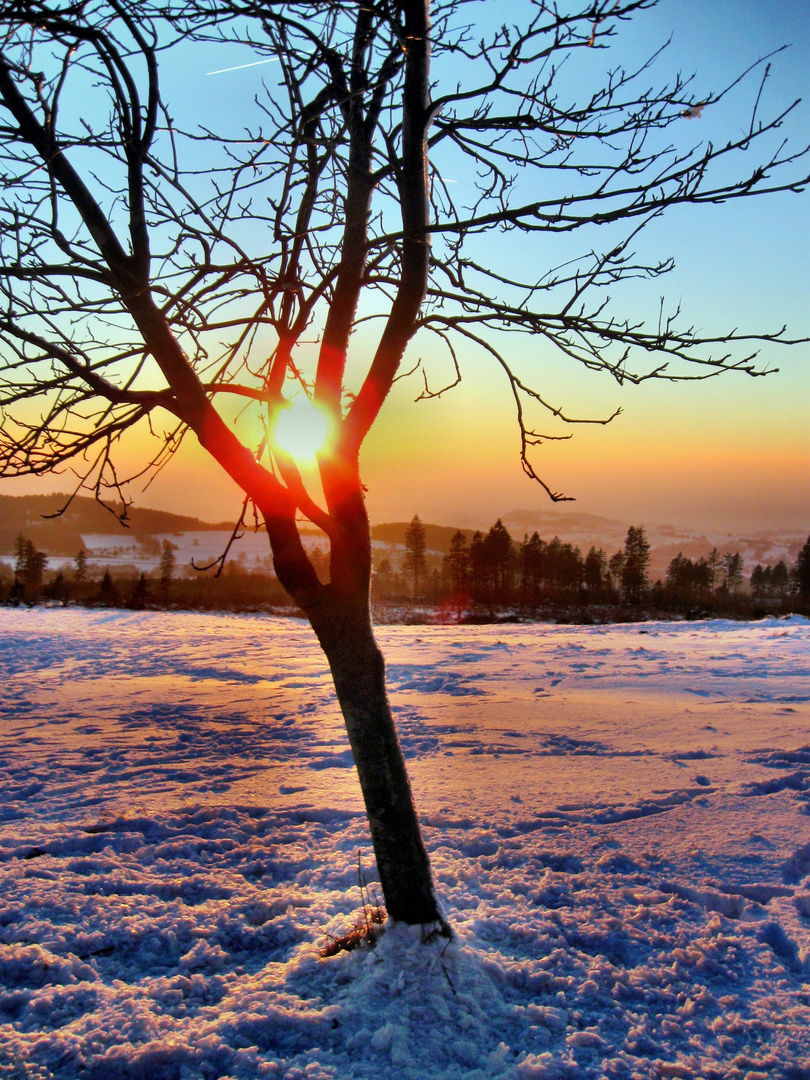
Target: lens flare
[{"x": 300, "y": 430}]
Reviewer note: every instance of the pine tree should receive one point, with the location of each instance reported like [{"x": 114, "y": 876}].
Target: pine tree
[
  {"x": 532, "y": 567},
  {"x": 615, "y": 568},
  {"x": 36, "y": 563},
  {"x": 595, "y": 570},
  {"x": 498, "y": 559},
  {"x": 29, "y": 565},
  {"x": 167, "y": 566},
  {"x": 80, "y": 561},
  {"x": 456, "y": 567},
  {"x": 107, "y": 593},
  {"x": 759, "y": 580},
  {"x": 140, "y": 594},
  {"x": 415, "y": 545},
  {"x": 801, "y": 572},
  {"x": 19, "y": 556},
  {"x": 59, "y": 590},
  {"x": 636, "y": 560},
  {"x": 733, "y": 567},
  {"x": 384, "y": 582},
  {"x": 714, "y": 562},
  {"x": 457, "y": 562},
  {"x": 478, "y": 577},
  {"x": 780, "y": 579}
]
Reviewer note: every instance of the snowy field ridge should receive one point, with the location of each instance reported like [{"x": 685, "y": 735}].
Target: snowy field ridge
[{"x": 618, "y": 819}]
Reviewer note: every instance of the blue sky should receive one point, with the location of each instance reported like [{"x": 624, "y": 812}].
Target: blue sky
[{"x": 731, "y": 452}]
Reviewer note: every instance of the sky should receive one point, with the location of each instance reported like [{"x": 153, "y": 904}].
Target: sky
[
  {"x": 730, "y": 453},
  {"x": 733, "y": 452}
]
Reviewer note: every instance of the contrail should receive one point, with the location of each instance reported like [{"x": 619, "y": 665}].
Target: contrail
[{"x": 239, "y": 67}]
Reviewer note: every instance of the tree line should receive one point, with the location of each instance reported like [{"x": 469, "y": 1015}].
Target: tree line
[
  {"x": 492, "y": 571},
  {"x": 30, "y": 581},
  {"x": 484, "y": 574}
]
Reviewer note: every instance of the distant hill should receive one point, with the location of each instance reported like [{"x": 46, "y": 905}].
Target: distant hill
[
  {"x": 551, "y": 522},
  {"x": 62, "y": 536},
  {"x": 31, "y": 515},
  {"x": 437, "y": 537},
  {"x": 572, "y": 527}
]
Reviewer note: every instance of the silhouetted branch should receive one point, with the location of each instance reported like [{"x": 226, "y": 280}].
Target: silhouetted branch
[
  {"x": 237, "y": 534},
  {"x": 151, "y": 263}
]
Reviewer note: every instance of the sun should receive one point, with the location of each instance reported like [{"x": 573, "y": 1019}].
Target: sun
[{"x": 300, "y": 430}]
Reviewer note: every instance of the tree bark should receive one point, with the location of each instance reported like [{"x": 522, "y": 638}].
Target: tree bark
[
  {"x": 340, "y": 615},
  {"x": 345, "y": 633}
]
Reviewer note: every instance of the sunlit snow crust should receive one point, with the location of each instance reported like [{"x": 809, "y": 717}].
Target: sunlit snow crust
[{"x": 617, "y": 818}]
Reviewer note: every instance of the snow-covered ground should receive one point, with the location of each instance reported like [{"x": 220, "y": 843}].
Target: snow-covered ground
[{"x": 617, "y": 818}]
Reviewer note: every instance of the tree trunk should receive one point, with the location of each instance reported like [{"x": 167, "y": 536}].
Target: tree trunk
[
  {"x": 344, "y": 631},
  {"x": 340, "y": 615}
]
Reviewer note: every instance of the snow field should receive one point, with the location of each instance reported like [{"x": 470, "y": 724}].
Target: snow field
[{"x": 617, "y": 819}]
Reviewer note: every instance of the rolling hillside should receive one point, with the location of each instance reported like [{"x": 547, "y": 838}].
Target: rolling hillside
[{"x": 33, "y": 516}]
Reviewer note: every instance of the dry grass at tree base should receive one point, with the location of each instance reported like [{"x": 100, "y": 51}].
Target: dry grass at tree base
[{"x": 367, "y": 927}]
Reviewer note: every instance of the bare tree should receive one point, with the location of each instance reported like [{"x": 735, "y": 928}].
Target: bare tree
[{"x": 151, "y": 267}]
